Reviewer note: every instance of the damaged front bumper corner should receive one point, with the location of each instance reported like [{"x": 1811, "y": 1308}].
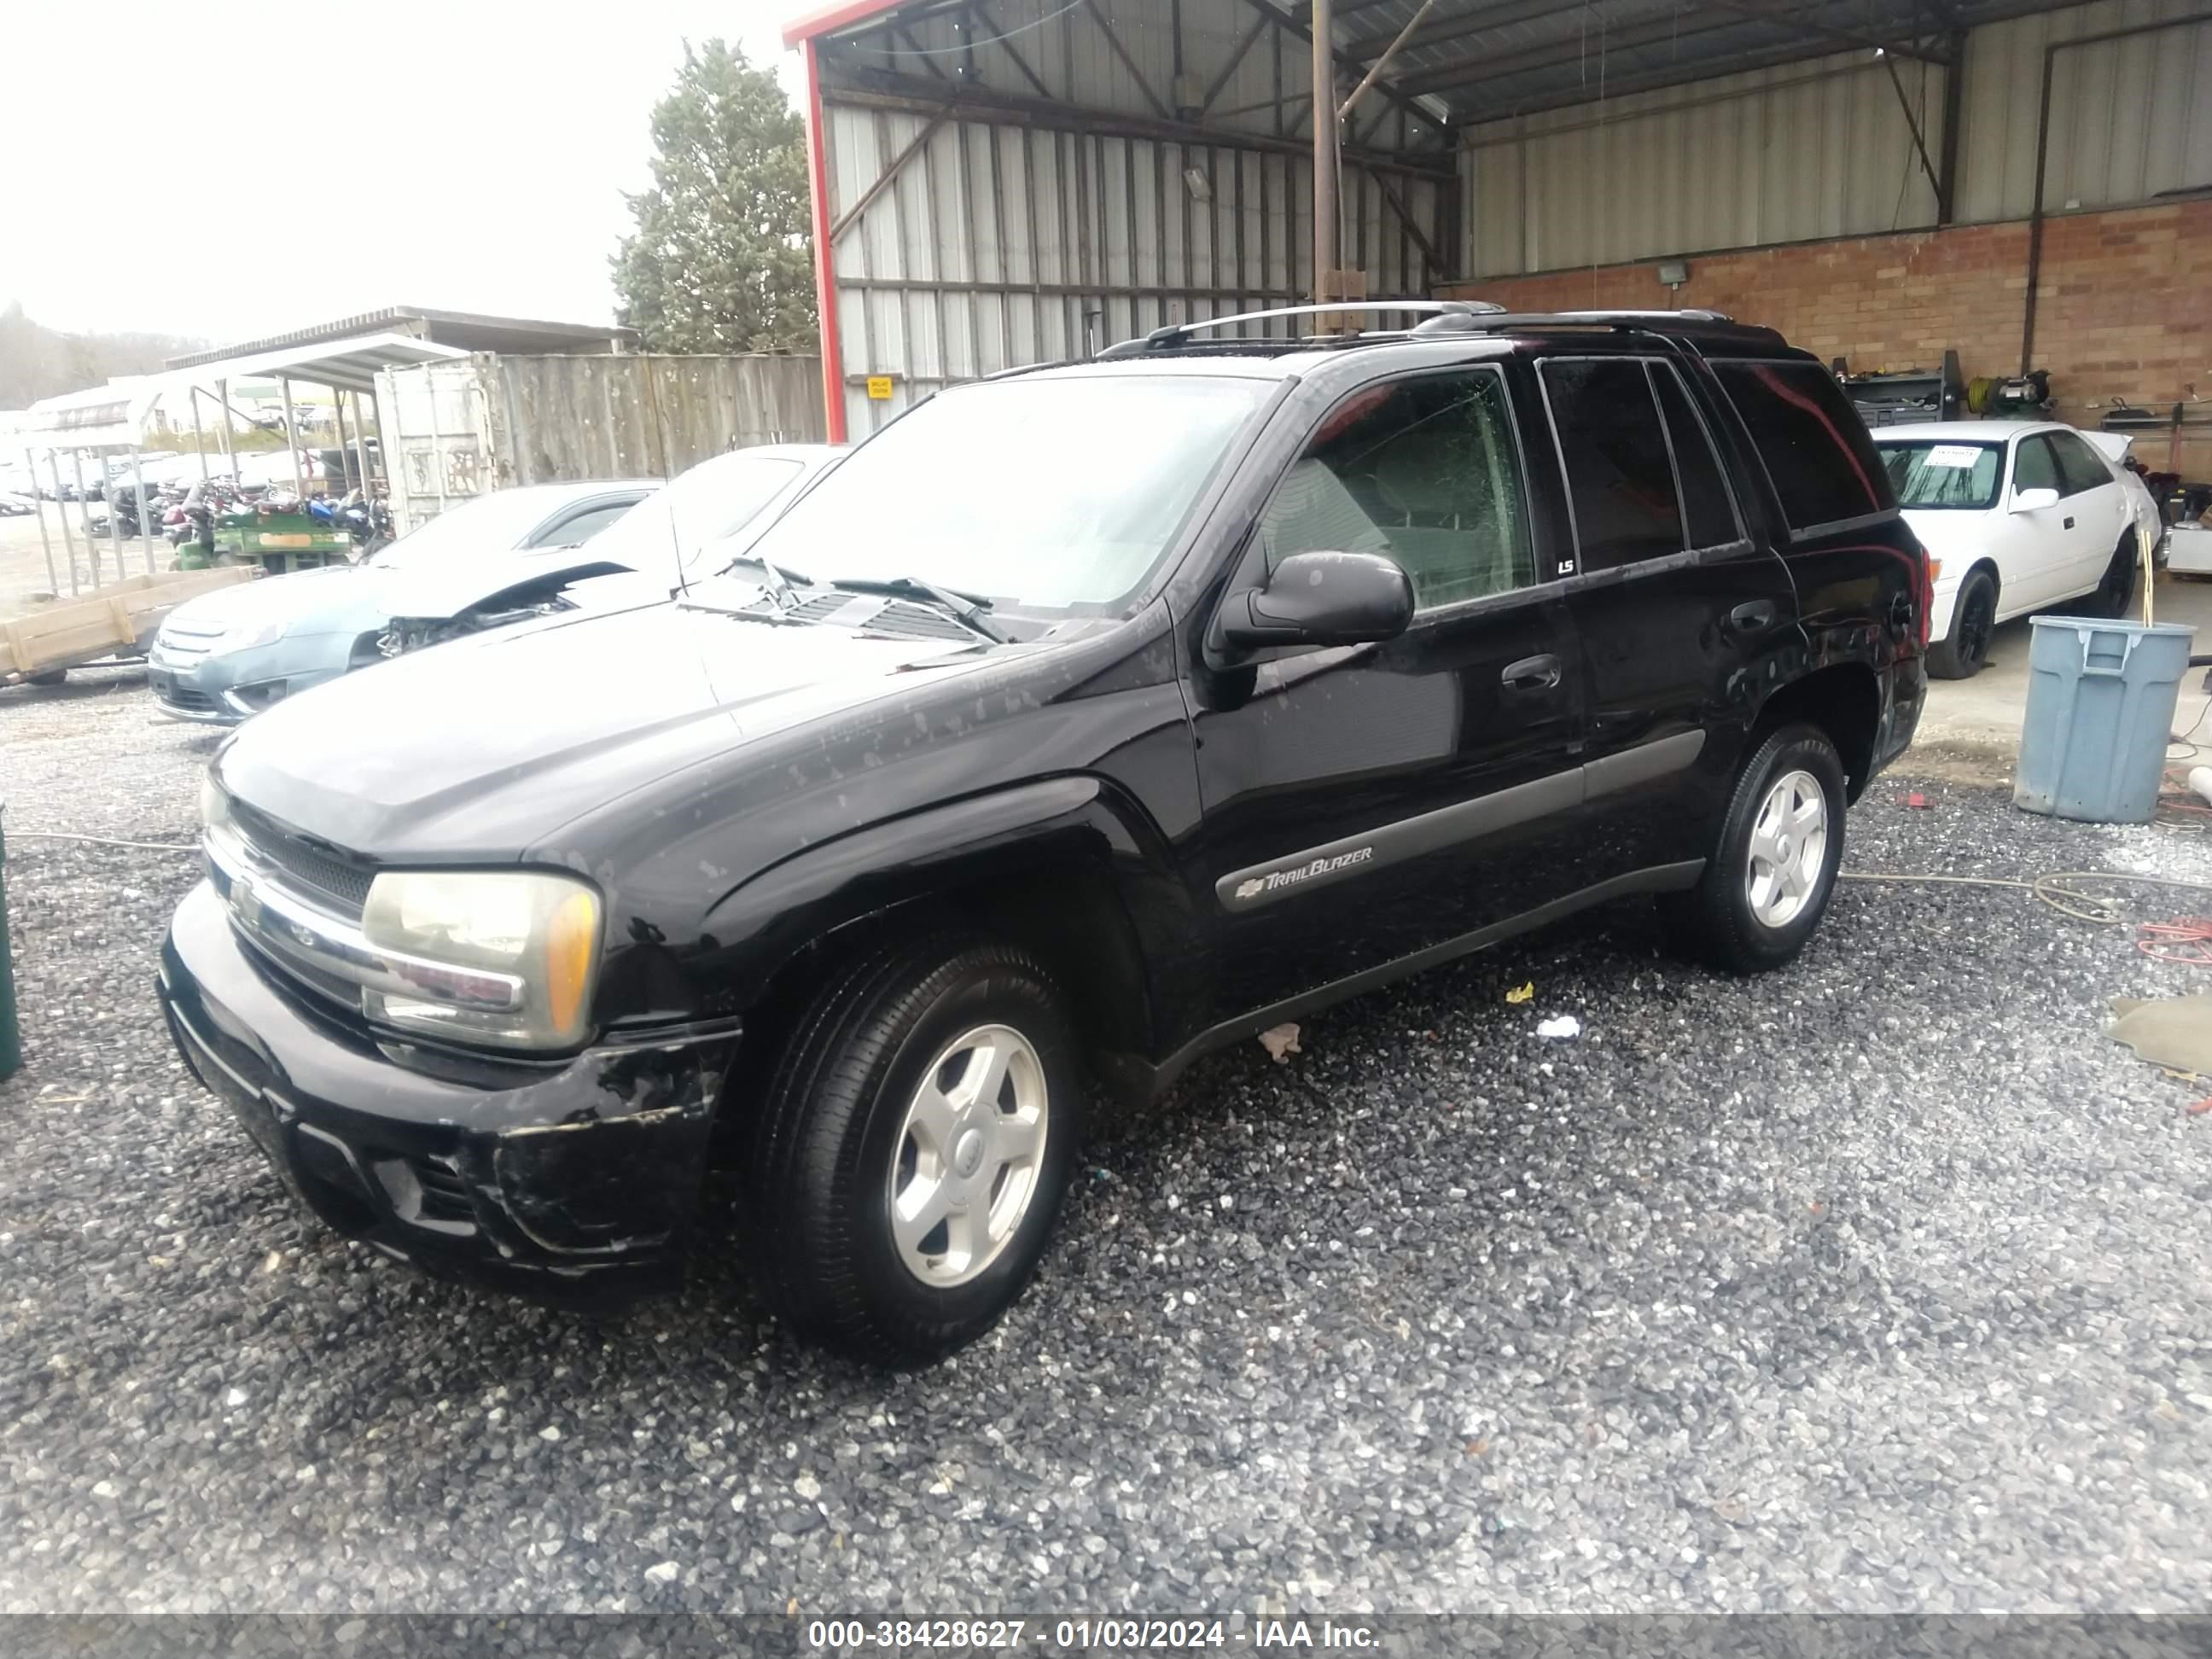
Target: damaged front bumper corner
[{"x": 573, "y": 1180}]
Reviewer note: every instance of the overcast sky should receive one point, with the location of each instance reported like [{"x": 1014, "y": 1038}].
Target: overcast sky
[{"x": 233, "y": 168}]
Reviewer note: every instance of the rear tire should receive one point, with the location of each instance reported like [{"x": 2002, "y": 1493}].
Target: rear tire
[
  {"x": 1768, "y": 883},
  {"x": 2111, "y": 595},
  {"x": 1961, "y": 654},
  {"x": 912, "y": 1150}
]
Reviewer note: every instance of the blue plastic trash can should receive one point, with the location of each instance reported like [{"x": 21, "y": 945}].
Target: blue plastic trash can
[{"x": 2100, "y": 698}]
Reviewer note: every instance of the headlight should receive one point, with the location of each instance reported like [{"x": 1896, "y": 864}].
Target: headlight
[
  {"x": 214, "y": 805},
  {"x": 246, "y": 637},
  {"x": 504, "y": 957}
]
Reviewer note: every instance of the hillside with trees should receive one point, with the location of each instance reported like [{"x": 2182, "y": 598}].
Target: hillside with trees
[{"x": 37, "y": 362}]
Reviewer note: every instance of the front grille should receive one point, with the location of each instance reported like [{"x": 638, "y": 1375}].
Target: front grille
[
  {"x": 178, "y": 696},
  {"x": 176, "y": 640},
  {"x": 427, "y": 1193},
  {"x": 342, "y": 996},
  {"x": 338, "y": 884},
  {"x": 445, "y": 1194}
]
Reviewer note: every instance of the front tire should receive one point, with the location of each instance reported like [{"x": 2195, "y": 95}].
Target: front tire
[
  {"x": 1960, "y": 655},
  {"x": 1768, "y": 883},
  {"x": 912, "y": 1148}
]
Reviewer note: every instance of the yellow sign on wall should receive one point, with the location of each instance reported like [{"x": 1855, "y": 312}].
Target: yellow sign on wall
[{"x": 879, "y": 388}]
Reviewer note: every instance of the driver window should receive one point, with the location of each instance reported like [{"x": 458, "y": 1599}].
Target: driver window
[
  {"x": 2077, "y": 463},
  {"x": 2034, "y": 467},
  {"x": 1421, "y": 470}
]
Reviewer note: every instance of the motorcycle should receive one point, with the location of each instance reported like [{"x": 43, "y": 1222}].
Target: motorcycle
[{"x": 369, "y": 522}]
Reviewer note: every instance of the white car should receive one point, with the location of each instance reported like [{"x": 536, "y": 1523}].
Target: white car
[{"x": 2016, "y": 516}]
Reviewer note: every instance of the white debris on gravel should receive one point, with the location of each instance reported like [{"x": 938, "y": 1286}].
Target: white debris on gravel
[{"x": 1873, "y": 1283}]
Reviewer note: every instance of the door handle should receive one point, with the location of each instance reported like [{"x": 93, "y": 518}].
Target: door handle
[
  {"x": 2070, "y": 523},
  {"x": 1752, "y": 617},
  {"x": 1531, "y": 674}
]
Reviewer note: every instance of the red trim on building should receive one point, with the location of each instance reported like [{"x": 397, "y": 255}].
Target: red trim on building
[
  {"x": 825, "y": 278},
  {"x": 828, "y": 20}
]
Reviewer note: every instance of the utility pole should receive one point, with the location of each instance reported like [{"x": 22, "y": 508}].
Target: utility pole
[{"x": 1325, "y": 257}]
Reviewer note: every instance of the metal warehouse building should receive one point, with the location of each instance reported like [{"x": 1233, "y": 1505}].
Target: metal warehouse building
[{"x": 999, "y": 182}]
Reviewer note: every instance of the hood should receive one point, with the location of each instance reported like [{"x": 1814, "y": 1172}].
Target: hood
[
  {"x": 335, "y": 598},
  {"x": 475, "y": 750},
  {"x": 1954, "y": 535},
  {"x": 445, "y": 589},
  {"x": 622, "y": 590}
]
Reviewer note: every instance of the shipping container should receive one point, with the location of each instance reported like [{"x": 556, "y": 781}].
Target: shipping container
[{"x": 457, "y": 428}]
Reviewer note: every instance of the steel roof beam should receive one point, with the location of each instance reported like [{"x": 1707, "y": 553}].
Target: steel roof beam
[
  {"x": 1674, "y": 75},
  {"x": 1658, "y": 32},
  {"x": 1496, "y": 15},
  {"x": 1345, "y": 61},
  {"x": 1801, "y": 23}
]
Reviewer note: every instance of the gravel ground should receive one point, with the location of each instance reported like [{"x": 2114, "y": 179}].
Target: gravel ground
[
  {"x": 1875, "y": 1284},
  {"x": 30, "y": 566}
]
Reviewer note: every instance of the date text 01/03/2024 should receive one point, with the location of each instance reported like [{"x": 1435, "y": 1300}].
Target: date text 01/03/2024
[{"x": 1081, "y": 1634}]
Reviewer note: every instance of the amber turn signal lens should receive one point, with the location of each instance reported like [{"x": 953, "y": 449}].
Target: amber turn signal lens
[{"x": 572, "y": 944}]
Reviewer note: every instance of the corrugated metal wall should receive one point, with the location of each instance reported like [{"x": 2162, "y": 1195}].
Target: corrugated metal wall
[
  {"x": 1822, "y": 149},
  {"x": 2129, "y": 118},
  {"x": 1818, "y": 148},
  {"x": 1018, "y": 237},
  {"x": 456, "y": 428},
  {"x": 1001, "y": 244}
]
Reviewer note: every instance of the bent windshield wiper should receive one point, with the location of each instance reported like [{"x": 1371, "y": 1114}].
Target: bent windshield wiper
[
  {"x": 966, "y": 609},
  {"x": 779, "y": 586}
]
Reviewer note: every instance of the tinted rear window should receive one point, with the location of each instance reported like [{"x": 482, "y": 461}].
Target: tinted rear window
[
  {"x": 1812, "y": 441},
  {"x": 1620, "y": 477}
]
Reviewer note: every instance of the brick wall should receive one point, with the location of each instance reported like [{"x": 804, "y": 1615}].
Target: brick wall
[{"x": 2124, "y": 310}]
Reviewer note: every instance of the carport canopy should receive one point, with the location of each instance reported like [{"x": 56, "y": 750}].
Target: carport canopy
[{"x": 349, "y": 365}]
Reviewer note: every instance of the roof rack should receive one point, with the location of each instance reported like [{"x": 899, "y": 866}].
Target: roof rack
[
  {"x": 1175, "y": 334},
  {"x": 1497, "y": 318}
]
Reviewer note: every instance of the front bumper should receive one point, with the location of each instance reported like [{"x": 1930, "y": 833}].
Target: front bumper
[
  {"x": 228, "y": 690},
  {"x": 1945, "y": 605},
  {"x": 573, "y": 1180}
]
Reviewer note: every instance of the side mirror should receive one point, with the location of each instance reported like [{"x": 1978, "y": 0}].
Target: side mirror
[
  {"x": 1322, "y": 598},
  {"x": 2034, "y": 500}
]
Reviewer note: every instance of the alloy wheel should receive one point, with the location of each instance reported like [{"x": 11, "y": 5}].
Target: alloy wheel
[
  {"x": 968, "y": 1154},
  {"x": 1789, "y": 849}
]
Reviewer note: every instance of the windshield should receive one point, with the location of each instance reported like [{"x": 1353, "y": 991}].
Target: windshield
[
  {"x": 712, "y": 500},
  {"x": 1039, "y": 494},
  {"x": 483, "y": 524},
  {"x": 1928, "y": 473}
]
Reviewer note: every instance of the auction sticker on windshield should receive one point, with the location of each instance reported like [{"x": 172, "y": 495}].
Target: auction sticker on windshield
[{"x": 1953, "y": 454}]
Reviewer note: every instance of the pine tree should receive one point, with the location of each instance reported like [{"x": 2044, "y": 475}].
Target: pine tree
[{"x": 722, "y": 260}]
